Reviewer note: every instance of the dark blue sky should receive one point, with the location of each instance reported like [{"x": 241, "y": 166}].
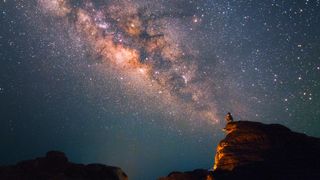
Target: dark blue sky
[{"x": 65, "y": 86}]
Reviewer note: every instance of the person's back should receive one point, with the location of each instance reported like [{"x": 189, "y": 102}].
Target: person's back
[{"x": 229, "y": 117}]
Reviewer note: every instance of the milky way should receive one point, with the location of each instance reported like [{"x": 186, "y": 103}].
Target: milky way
[
  {"x": 145, "y": 84},
  {"x": 144, "y": 47}
]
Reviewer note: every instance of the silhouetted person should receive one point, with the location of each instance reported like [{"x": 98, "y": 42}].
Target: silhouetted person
[{"x": 228, "y": 117}]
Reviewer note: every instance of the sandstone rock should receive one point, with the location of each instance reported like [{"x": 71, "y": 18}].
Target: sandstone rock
[
  {"x": 55, "y": 166},
  {"x": 257, "y": 150},
  {"x": 253, "y": 150}
]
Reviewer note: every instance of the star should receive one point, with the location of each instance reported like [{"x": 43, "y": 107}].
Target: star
[{"x": 130, "y": 74}]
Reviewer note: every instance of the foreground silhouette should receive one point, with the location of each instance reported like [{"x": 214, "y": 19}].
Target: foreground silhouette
[
  {"x": 250, "y": 150},
  {"x": 253, "y": 150},
  {"x": 55, "y": 166}
]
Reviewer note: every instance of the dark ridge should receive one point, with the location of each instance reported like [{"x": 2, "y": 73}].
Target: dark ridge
[{"x": 55, "y": 166}]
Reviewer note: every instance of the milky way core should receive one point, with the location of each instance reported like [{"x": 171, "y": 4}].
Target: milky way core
[{"x": 145, "y": 48}]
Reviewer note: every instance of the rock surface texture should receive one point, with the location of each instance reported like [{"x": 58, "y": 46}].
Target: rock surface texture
[
  {"x": 253, "y": 150},
  {"x": 55, "y": 166},
  {"x": 257, "y": 150}
]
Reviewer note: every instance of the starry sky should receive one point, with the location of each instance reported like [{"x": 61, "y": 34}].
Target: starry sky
[{"x": 144, "y": 85}]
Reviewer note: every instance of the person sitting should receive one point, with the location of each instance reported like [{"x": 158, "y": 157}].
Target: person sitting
[{"x": 229, "y": 117}]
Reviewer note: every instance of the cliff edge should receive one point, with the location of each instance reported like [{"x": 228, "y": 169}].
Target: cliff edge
[{"x": 256, "y": 150}]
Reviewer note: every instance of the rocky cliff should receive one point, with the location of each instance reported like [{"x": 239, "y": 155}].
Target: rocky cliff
[
  {"x": 55, "y": 166},
  {"x": 253, "y": 150},
  {"x": 257, "y": 150}
]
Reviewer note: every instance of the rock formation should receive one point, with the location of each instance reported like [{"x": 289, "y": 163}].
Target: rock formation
[
  {"x": 55, "y": 166},
  {"x": 253, "y": 150},
  {"x": 192, "y": 175}
]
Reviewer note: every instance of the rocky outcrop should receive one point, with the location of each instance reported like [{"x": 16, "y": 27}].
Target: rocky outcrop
[
  {"x": 253, "y": 150},
  {"x": 199, "y": 174},
  {"x": 263, "y": 151},
  {"x": 55, "y": 166}
]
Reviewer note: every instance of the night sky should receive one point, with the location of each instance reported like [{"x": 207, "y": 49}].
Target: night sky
[{"x": 144, "y": 85}]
